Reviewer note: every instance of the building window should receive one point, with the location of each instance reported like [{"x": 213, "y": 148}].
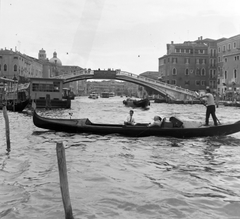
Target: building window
[
  {"x": 187, "y": 83},
  {"x": 235, "y": 73},
  {"x": 219, "y": 49},
  {"x": 203, "y": 83},
  {"x": 174, "y": 60},
  {"x": 203, "y": 72},
  {"x": 197, "y": 61},
  {"x": 187, "y": 61},
  {"x": 15, "y": 67},
  {"x": 187, "y": 71},
  {"x": 5, "y": 67},
  {"x": 229, "y": 46},
  {"x": 234, "y": 45},
  {"x": 174, "y": 71},
  {"x": 225, "y": 74},
  {"x": 197, "y": 83},
  {"x": 197, "y": 71},
  {"x": 173, "y": 81},
  {"x": 0, "y": 67}
]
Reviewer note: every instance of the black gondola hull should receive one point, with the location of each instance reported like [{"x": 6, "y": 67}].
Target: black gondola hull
[{"x": 139, "y": 130}]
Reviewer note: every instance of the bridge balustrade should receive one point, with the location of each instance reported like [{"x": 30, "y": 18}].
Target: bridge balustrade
[
  {"x": 151, "y": 81},
  {"x": 165, "y": 85}
]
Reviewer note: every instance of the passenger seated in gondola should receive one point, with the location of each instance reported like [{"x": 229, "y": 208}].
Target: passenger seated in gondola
[
  {"x": 130, "y": 119},
  {"x": 176, "y": 123},
  {"x": 157, "y": 121}
]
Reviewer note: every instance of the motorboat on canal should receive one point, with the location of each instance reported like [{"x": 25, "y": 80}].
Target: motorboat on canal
[
  {"x": 173, "y": 128},
  {"x": 143, "y": 103}
]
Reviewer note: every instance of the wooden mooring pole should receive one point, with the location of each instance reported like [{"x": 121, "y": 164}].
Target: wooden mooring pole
[
  {"x": 5, "y": 115},
  {"x": 62, "y": 168}
]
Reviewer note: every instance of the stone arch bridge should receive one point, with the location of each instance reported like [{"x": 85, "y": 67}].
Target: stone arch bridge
[{"x": 166, "y": 90}]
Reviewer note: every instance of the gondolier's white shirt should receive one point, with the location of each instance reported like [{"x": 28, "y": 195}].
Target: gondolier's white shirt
[
  {"x": 131, "y": 120},
  {"x": 210, "y": 99}
]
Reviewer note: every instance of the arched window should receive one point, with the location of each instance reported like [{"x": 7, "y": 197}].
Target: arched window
[
  {"x": 203, "y": 71},
  {"x": 174, "y": 71},
  {"x": 5, "y": 67},
  {"x": 15, "y": 67},
  {"x": 187, "y": 72}
]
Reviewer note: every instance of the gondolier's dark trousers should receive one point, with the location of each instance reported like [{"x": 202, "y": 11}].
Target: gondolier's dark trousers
[{"x": 211, "y": 111}]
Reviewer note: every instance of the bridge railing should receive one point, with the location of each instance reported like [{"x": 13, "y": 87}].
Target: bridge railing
[
  {"x": 81, "y": 72},
  {"x": 157, "y": 82},
  {"x": 139, "y": 77}
]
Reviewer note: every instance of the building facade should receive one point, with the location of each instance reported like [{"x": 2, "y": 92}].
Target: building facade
[
  {"x": 229, "y": 67},
  {"x": 13, "y": 65},
  {"x": 186, "y": 65},
  {"x": 117, "y": 87}
]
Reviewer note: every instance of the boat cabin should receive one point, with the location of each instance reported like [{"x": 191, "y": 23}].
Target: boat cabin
[{"x": 45, "y": 88}]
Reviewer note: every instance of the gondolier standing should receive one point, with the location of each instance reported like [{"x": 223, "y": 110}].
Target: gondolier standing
[{"x": 211, "y": 108}]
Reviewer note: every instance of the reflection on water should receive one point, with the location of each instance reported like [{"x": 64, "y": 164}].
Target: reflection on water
[{"x": 120, "y": 177}]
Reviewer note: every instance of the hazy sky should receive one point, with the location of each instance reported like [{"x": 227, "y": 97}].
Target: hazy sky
[{"x": 126, "y": 34}]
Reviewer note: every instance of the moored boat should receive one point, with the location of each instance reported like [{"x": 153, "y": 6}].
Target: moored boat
[
  {"x": 168, "y": 129},
  {"x": 143, "y": 103},
  {"x": 16, "y": 106},
  {"x": 105, "y": 94}
]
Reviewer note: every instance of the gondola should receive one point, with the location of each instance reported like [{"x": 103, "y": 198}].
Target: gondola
[
  {"x": 168, "y": 129},
  {"x": 143, "y": 103},
  {"x": 17, "y": 107}
]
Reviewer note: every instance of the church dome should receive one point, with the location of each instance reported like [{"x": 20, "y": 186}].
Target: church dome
[{"x": 55, "y": 59}]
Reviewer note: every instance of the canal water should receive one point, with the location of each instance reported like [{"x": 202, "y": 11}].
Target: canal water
[{"x": 120, "y": 177}]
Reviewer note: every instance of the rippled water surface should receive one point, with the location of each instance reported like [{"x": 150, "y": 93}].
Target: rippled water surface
[{"x": 120, "y": 177}]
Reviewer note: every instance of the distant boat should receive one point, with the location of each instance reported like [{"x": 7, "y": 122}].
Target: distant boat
[
  {"x": 93, "y": 95},
  {"x": 105, "y": 94},
  {"x": 68, "y": 94},
  {"x": 111, "y": 94},
  {"x": 143, "y": 103}
]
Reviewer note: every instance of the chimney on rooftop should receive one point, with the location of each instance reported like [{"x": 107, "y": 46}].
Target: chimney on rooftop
[{"x": 172, "y": 42}]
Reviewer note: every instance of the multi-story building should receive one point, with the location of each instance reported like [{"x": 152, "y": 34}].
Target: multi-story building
[
  {"x": 212, "y": 60},
  {"x": 186, "y": 65},
  {"x": 13, "y": 65},
  {"x": 229, "y": 66}
]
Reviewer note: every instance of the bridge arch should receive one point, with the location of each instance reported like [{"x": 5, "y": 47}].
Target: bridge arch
[{"x": 164, "y": 89}]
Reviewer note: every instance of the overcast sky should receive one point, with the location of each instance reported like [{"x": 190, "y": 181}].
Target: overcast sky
[{"x": 126, "y": 34}]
